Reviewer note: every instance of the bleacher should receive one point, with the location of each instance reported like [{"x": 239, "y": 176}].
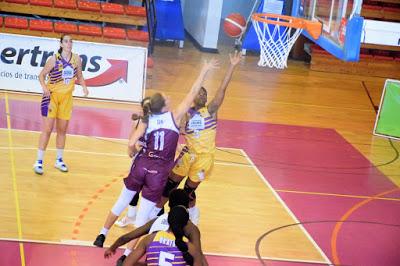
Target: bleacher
[
  {"x": 373, "y": 62},
  {"x": 84, "y": 20}
]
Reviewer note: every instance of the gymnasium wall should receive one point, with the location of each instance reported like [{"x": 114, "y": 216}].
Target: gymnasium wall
[
  {"x": 237, "y": 6},
  {"x": 200, "y": 18}
]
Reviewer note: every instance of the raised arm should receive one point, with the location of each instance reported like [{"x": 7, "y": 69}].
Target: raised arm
[
  {"x": 80, "y": 78},
  {"x": 184, "y": 106},
  {"x": 138, "y": 232},
  {"x": 220, "y": 94},
  {"x": 45, "y": 71},
  {"x": 141, "y": 129}
]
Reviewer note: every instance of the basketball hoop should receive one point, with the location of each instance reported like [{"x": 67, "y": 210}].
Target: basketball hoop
[{"x": 276, "y": 36}]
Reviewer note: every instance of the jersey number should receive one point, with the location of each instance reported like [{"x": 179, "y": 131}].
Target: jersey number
[
  {"x": 164, "y": 256},
  {"x": 159, "y": 140}
]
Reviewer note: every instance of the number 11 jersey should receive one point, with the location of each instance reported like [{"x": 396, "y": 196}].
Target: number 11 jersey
[{"x": 161, "y": 136}]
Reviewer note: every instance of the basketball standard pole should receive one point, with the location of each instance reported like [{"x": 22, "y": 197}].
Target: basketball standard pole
[{"x": 238, "y": 41}]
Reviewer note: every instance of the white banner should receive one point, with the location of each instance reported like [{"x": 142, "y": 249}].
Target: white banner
[
  {"x": 112, "y": 72},
  {"x": 381, "y": 32}
]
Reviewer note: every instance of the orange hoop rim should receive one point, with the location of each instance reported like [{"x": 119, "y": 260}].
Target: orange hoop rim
[{"x": 314, "y": 28}]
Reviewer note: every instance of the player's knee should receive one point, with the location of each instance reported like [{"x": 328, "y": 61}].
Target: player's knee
[
  {"x": 47, "y": 130},
  {"x": 61, "y": 131},
  {"x": 171, "y": 185},
  {"x": 123, "y": 201},
  {"x": 190, "y": 191},
  {"x": 175, "y": 177},
  {"x": 135, "y": 200}
]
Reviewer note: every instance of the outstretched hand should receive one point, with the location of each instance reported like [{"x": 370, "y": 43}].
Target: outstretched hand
[
  {"x": 235, "y": 58},
  {"x": 109, "y": 253},
  {"x": 210, "y": 64}
]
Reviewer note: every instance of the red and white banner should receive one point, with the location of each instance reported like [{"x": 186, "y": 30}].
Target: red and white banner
[{"x": 112, "y": 72}]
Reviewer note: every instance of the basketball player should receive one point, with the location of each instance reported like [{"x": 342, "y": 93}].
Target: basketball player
[
  {"x": 129, "y": 218},
  {"x": 132, "y": 208},
  {"x": 64, "y": 69},
  {"x": 168, "y": 247},
  {"x": 200, "y": 132},
  {"x": 150, "y": 171},
  {"x": 176, "y": 197}
]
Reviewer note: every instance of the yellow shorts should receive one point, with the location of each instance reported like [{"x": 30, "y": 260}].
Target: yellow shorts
[
  {"x": 58, "y": 105},
  {"x": 197, "y": 167}
]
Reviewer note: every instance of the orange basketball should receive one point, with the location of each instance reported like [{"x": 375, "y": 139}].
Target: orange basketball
[{"x": 234, "y": 25}]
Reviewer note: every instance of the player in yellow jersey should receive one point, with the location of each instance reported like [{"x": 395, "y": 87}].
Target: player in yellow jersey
[
  {"x": 199, "y": 131},
  {"x": 63, "y": 70}
]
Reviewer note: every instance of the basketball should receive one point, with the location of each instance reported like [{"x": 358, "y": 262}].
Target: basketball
[{"x": 234, "y": 25}]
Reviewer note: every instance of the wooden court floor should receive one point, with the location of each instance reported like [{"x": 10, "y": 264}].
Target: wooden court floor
[{"x": 244, "y": 198}]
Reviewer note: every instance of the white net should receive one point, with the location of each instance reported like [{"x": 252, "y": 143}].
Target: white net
[{"x": 276, "y": 41}]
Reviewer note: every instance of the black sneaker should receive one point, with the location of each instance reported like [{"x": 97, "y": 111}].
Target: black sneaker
[
  {"x": 99, "y": 241},
  {"x": 120, "y": 261}
]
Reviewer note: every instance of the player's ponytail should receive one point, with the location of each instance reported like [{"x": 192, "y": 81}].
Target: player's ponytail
[
  {"x": 154, "y": 106},
  {"x": 178, "y": 217},
  {"x": 136, "y": 117},
  {"x": 61, "y": 39},
  {"x": 146, "y": 111}
]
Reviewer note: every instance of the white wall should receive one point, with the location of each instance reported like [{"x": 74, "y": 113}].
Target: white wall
[
  {"x": 202, "y": 19},
  {"x": 242, "y": 7},
  {"x": 237, "y": 6},
  {"x": 213, "y": 23}
]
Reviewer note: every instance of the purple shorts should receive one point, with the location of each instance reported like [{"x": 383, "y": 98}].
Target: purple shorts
[{"x": 149, "y": 175}]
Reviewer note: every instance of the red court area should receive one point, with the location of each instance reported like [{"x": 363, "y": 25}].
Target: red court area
[
  {"x": 39, "y": 254},
  {"x": 318, "y": 174}
]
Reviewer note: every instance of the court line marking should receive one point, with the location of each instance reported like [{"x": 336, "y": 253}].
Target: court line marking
[
  {"x": 336, "y": 195},
  {"x": 251, "y": 164},
  {"x": 90, "y": 202},
  {"x": 239, "y": 164},
  {"x": 39, "y": 96},
  {"x": 338, "y": 225},
  {"x": 70, "y": 242},
  {"x": 291, "y": 214},
  {"x": 14, "y": 181},
  {"x": 264, "y": 258},
  {"x": 122, "y": 141},
  {"x": 114, "y": 154},
  {"x": 30, "y": 94},
  {"x": 69, "y": 134}
]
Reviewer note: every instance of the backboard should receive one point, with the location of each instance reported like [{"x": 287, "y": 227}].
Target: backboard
[{"x": 341, "y": 25}]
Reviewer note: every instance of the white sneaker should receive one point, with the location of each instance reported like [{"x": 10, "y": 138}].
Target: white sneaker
[
  {"x": 194, "y": 215},
  {"x": 60, "y": 165},
  {"x": 38, "y": 167},
  {"x": 125, "y": 221}
]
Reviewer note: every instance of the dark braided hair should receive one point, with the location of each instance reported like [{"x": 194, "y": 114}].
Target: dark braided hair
[
  {"x": 177, "y": 197},
  {"x": 178, "y": 217}
]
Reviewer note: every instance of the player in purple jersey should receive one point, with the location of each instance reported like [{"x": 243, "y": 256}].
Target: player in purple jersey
[
  {"x": 151, "y": 169},
  {"x": 133, "y": 205},
  {"x": 130, "y": 217},
  {"x": 168, "y": 247}
]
